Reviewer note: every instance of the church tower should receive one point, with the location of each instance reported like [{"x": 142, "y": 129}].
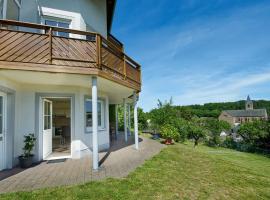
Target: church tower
[{"x": 249, "y": 104}]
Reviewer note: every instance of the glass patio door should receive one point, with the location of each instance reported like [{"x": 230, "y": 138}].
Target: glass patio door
[{"x": 47, "y": 128}]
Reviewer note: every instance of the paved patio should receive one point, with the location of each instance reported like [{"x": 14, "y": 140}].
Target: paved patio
[{"x": 118, "y": 162}]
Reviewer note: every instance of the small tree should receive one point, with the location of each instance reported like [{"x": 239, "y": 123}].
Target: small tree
[
  {"x": 196, "y": 133},
  {"x": 182, "y": 128},
  {"x": 164, "y": 114},
  {"x": 215, "y": 127},
  {"x": 256, "y": 133},
  {"x": 29, "y": 143}
]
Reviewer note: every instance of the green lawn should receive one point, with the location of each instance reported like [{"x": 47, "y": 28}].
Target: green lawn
[{"x": 178, "y": 172}]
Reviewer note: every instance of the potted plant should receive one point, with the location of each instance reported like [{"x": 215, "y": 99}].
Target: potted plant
[
  {"x": 26, "y": 160},
  {"x": 169, "y": 133}
]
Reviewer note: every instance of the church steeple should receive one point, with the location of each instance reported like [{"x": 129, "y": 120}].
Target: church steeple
[{"x": 249, "y": 103}]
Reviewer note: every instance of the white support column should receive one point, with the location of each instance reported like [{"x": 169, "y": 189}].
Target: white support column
[
  {"x": 136, "y": 133},
  {"x": 116, "y": 120},
  {"x": 129, "y": 119},
  {"x": 5, "y": 9},
  {"x": 125, "y": 120},
  {"x": 95, "y": 123}
]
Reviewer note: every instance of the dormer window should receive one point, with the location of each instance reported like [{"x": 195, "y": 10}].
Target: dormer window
[{"x": 58, "y": 23}]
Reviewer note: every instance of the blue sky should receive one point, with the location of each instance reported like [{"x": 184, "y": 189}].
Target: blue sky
[{"x": 197, "y": 51}]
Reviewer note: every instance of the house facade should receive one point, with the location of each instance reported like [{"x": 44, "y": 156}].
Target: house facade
[
  {"x": 60, "y": 72},
  {"x": 236, "y": 117}
]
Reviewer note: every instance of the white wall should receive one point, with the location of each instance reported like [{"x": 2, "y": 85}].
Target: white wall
[
  {"x": 83, "y": 13},
  {"x": 25, "y": 116}
]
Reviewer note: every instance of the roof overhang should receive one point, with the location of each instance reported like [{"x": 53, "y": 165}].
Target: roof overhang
[{"x": 110, "y": 13}]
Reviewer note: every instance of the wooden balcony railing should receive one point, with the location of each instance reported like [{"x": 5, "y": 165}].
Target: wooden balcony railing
[{"x": 36, "y": 47}]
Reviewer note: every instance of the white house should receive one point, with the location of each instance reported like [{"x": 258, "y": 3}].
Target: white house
[{"x": 60, "y": 71}]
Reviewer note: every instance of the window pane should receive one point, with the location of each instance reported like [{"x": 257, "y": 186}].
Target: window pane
[
  {"x": 50, "y": 23},
  {"x": 91, "y": 38},
  {"x": 1, "y": 105},
  {"x": 99, "y": 113},
  {"x": 88, "y": 106},
  {"x": 88, "y": 114},
  {"x": 63, "y": 34},
  {"x": 89, "y": 120},
  {"x": 49, "y": 108},
  {"x": 1, "y": 124},
  {"x": 63, "y": 25},
  {"x": 1, "y": 114},
  {"x": 46, "y": 108},
  {"x": 13, "y": 10},
  {"x": 88, "y": 109},
  {"x": 47, "y": 122},
  {"x": 99, "y": 119},
  {"x": 1, "y": 9}
]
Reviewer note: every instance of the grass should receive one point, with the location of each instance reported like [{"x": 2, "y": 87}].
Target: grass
[{"x": 178, "y": 172}]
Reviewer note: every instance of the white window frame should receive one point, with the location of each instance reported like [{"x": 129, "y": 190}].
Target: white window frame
[
  {"x": 102, "y": 127},
  {"x": 4, "y": 125},
  {"x": 55, "y": 19}
]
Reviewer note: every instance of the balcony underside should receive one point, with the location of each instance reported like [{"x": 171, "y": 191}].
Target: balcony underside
[
  {"x": 63, "y": 83},
  {"x": 44, "y": 52}
]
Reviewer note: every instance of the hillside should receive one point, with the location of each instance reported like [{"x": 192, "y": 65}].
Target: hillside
[{"x": 214, "y": 109}]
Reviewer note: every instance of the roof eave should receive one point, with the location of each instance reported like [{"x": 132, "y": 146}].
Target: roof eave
[{"x": 110, "y": 13}]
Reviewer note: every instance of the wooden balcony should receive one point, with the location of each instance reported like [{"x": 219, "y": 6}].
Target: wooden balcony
[{"x": 35, "y": 47}]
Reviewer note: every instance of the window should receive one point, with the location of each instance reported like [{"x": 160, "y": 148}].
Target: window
[
  {"x": 58, "y": 24},
  {"x": 47, "y": 115},
  {"x": 89, "y": 117}
]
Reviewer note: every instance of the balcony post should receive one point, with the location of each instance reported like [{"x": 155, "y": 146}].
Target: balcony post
[
  {"x": 95, "y": 123},
  {"x": 136, "y": 121},
  {"x": 125, "y": 120},
  {"x": 99, "y": 52},
  {"x": 129, "y": 119},
  {"x": 116, "y": 120},
  {"x": 125, "y": 67},
  {"x": 50, "y": 45}
]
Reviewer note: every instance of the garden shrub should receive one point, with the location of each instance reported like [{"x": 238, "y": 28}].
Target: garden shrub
[{"x": 169, "y": 132}]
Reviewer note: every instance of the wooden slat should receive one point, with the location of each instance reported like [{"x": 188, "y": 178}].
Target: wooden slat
[
  {"x": 8, "y": 42},
  {"x": 4, "y": 39},
  {"x": 44, "y": 46},
  {"x": 23, "y": 47},
  {"x": 14, "y": 46},
  {"x": 41, "y": 55},
  {"x": 34, "y": 47},
  {"x": 50, "y": 46},
  {"x": 67, "y": 48},
  {"x": 73, "y": 51}
]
